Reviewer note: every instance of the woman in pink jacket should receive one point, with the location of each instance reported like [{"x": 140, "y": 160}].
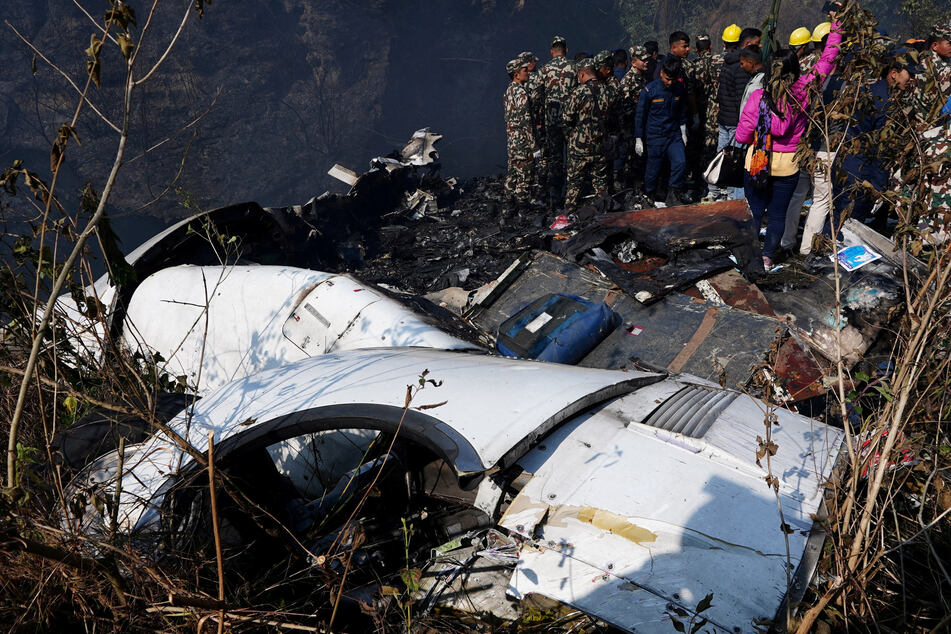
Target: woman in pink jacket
[{"x": 773, "y": 123}]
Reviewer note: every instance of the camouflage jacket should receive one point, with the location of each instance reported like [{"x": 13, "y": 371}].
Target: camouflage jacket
[
  {"x": 713, "y": 106},
  {"x": 535, "y": 87},
  {"x": 707, "y": 77},
  {"x": 716, "y": 65},
  {"x": 582, "y": 119},
  {"x": 691, "y": 82},
  {"x": 609, "y": 97},
  {"x": 932, "y": 87},
  {"x": 807, "y": 62},
  {"x": 630, "y": 91},
  {"x": 559, "y": 79},
  {"x": 518, "y": 122},
  {"x": 937, "y": 145}
]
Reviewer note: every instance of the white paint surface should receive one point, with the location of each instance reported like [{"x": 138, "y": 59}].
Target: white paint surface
[
  {"x": 492, "y": 402},
  {"x": 218, "y": 324},
  {"x": 690, "y": 516}
]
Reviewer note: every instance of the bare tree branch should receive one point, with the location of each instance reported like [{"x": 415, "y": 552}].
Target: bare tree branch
[{"x": 81, "y": 92}]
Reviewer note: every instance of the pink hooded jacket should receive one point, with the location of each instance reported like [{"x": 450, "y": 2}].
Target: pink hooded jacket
[{"x": 788, "y": 131}]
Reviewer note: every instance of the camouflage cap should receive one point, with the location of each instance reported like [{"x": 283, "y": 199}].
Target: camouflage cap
[
  {"x": 639, "y": 51},
  {"x": 703, "y": 37},
  {"x": 604, "y": 58},
  {"x": 558, "y": 40},
  {"x": 513, "y": 65},
  {"x": 941, "y": 31},
  {"x": 527, "y": 57},
  {"x": 581, "y": 64}
]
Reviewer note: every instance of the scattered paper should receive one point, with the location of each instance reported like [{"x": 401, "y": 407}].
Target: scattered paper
[{"x": 855, "y": 257}]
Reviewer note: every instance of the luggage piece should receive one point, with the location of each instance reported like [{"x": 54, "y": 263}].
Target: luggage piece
[
  {"x": 557, "y": 327},
  {"x": 727, "y": 168}
]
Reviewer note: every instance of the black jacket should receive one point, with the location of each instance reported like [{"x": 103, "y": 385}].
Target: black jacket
[{"x": 733, "y": 80}]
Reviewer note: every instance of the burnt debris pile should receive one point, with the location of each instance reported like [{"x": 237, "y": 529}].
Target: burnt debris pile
[
  {"x": 295, "y": 330},
  {"x": 687, "y": 284}
]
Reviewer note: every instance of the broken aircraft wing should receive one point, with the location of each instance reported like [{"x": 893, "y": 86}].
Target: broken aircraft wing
[{"x": 494, "y": 409}]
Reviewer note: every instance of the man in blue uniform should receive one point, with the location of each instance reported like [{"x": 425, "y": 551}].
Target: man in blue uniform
[{"x": 660, "y": 127}]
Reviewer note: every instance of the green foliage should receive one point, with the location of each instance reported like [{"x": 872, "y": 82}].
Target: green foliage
[
  {"x": 25, "y": 454},
  {"x": 410, "y": 576},
  {"x": 637, "y": 18}
]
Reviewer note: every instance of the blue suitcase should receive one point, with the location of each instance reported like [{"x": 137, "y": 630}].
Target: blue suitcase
[{"x": 558, "y": 327}]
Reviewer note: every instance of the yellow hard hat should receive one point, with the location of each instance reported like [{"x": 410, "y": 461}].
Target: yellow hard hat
[
  {"x": 821, "y": 31},
  {"x": 731, "y": 33},
  {"x": 800, "y": 36}
]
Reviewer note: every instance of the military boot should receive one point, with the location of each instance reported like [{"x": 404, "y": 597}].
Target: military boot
[
  {"x": 675, "y": 198},
  {"x": 555, "y": 199},
  {"x": 523, "y": 210},
  {"x": 506, "y": 213}
]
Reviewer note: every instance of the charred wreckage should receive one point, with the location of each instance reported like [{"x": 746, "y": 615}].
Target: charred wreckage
[{"x": 567, "y": 433}]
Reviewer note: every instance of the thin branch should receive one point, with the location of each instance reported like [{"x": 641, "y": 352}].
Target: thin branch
[
  {"x": 187, "y": 126},
  {"x": 81, "y": 92},
  {"x": 168, "y": 49},
  {"x": 96, "y": 24},
  {"x": 214, "y": 522}
]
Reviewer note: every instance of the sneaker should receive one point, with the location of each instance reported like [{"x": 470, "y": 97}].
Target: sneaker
[{"x": 659, "y": 204}]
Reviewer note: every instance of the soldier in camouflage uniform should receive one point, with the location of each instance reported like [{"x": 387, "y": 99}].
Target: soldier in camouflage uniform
[
  {"x": 559, "y": 79},
  {"x": 610, "y": 91},
  {"x": 933, "y": 86},
  {"x": 610, "y": 86},
  {"x": 707, "y": 77},
  {"x": 536, "y": 97},
  {"x": 731, "y": 40},
  {"x": 936, "y": 164},
  {"x": 634, "y": 81},
  {"x": 521, "y": 137},
  {"x": 535, "y": 87},
  {"x": 585, "y": 129}
]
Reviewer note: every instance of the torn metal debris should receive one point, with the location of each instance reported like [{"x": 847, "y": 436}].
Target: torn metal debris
[
  {"x": 691, "y": 242},
  {"x": 566, "y": 463},
  {"x": 621, "y": 485}
]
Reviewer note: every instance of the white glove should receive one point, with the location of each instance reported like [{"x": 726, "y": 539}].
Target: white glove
[
  {"x": 695, "y": 122},
  {"x": 639, "y": 147},
  {"x": 683, "y": 133}
]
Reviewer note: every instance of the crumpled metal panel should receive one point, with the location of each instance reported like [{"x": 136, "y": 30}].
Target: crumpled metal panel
[
  {"x": 420, "y": 150},
  {"x": 695, "y": 239},
  {"x": 214, "y": 325},
  {"x": 623, "y": 520}
]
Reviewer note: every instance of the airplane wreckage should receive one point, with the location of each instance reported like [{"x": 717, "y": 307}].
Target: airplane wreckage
[{"x": 570, "y": 436}]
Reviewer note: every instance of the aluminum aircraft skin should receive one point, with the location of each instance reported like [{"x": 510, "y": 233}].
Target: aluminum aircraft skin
[{"x": 626, "y": 494}]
